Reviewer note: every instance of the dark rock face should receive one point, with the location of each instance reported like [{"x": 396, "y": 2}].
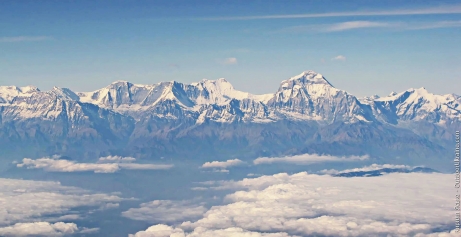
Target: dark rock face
[{"x": 210, "y": 118}]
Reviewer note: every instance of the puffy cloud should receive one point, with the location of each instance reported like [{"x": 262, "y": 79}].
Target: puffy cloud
[
  {"x": 39, "y": 229},
  {"x": 397, "y": 204},
  {"x": 165, "y": 211},
  {"x": 307, "y": 159},
  {"x": 223, "y": 164},
  {"x": 160, "y": 231},
  {"x": 29, "y": 201},
  {"x": 339, "y": 58},
  {"x": 108, "y": 164}
]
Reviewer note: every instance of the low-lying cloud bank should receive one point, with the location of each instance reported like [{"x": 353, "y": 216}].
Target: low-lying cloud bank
[
  {"x": 307, "y": 159},
  {"x": 39, "y": 229},
  {"x": 396, "y": 204},
  {"x": 165, "y": 211},
  {"x": 372, "y": 167},
  {"x": 108, "y": 164},
  {"x": 28, "y": 208}
]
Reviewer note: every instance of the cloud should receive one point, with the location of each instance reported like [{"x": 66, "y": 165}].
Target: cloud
[
  {"x": 307, "y": 159},
  {"x": 453, "y": 9},
  {"x": 39, "y": 229},
  {"x": 165, "y": 211},
  {"x": 367, "y": 168},
  {"x": 349, "y": 25},
  {"x": 433, "y": 25},
  {"x": 108, "y": 164},
  {"x": 116, "y": 159},
  {"x": 223, "y": 164},
  {"x": 305, "y": 204},
  {"x": 160, "y": 231},
  {"x": 23, "y": 39},
  {"x": 339, "y": 58},
  {"x": 23, "y": 201},
  {"x": 229, "y": 61}
]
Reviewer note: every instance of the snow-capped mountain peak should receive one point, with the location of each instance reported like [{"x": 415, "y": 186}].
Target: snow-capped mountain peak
[
  {"x": 64, "y": 93},
  {"x": 419, "y": 104},
  {"x": 8, "y": 93},
  {"x": 307, "y": 78}
]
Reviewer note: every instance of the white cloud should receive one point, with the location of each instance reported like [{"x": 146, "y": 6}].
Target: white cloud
[
  {"x": 160, "y": 231},
  {"x": 23, "y": 39},
  {"x": 229, "y": 61},
  {"x": 39, "y": 229},
  {"x": 304, "y": 204},
  {"x": 145, "y": 166},
  {"x": 433, "y": 25},
  {"x": 307, "y": 159},
  {"x": 109, "y": 164},
  {"x": 453, "y": 9},
  {"x": 23, "y": 200},
  {"x": 339, "y": 58},
  {"x": 165, "y": 211},
  {"x": 367, "y": 168},
  {"x": 116, "y": 159},
  {"x": 27, "y": 206},
  {"x": 349, "y": 25},
  {"x": 51, "y": 164},
  {"x": 223, "y": 164}
]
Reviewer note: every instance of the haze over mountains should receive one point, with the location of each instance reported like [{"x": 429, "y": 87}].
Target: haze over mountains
[{"x": 307, "y": 114}]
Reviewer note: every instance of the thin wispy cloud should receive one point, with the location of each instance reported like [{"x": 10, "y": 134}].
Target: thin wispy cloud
[
  {"x": 339, "y": 58},
  {"x": 356, "y": 25},
  {"x": 228, "y": 61},
  {"x": 108, "y": 164},
  {"x": 433, "y": 25},
  {"x": 349, "y": 25},
  {"x": 307, "y": 159},
  {"x": 456, "y": 9},
  {"x": 24, "y": 39}
]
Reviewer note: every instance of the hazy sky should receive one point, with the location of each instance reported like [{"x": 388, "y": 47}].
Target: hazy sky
[{"x": 364, "y": 47}]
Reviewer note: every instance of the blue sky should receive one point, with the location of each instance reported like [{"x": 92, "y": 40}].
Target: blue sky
[{"x": 364, "y": 47}]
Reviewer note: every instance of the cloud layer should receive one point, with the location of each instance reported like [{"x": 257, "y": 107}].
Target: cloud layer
[
  {"x": 321, "y": 205},
  {"x": 39, "y": 229},
  {"x": 307, "y": 159},
  {"x": 165, "y": 211},
  {"x": 28, "y": 207},
  {"x": 108, "y": 164}
]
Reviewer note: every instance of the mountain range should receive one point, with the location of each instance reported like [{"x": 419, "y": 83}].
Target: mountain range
[{"x": 210, "y": 118}]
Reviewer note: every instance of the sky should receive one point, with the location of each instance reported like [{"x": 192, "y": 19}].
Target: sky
[{"x": 364, "y": 47}]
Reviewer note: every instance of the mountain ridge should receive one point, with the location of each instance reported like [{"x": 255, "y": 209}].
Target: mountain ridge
[{"x": 124, "y": 117}]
